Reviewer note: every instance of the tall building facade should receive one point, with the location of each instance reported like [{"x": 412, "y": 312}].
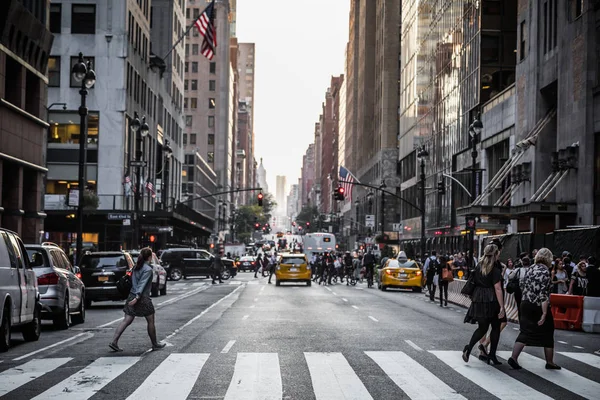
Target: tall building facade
[
  {"x": 261, "y": 177},
  {"x": 307, "y": 192},
  {"x": 23, "y": 115},
  {"x": 280, "y": 193},
  {"x": 329, "y": 145},
  {"x": 351, "y": 89},
  {"x": 246, "y": 71}
]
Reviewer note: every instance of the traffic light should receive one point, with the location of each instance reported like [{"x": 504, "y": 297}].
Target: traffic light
[
  {"x": 293, "y": 223},
  {"x": 260, "y": 199},
  {"x": 307, "y": 224},
  {"x": 257, "y": 226},
  {"x": 339, "y": 193},
  {"x": 441, "y": 188}
]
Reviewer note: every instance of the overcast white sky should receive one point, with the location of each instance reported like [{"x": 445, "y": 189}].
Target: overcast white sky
[{"x": 299, "y": 46}]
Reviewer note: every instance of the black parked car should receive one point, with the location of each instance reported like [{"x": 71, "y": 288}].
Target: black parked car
[
  {"x": 100, "y": 272},
  {"x": 184, "y": 263}
]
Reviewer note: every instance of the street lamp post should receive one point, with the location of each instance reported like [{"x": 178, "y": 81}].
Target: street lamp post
[
  {"x": 143, "y": 132},
  {"x": 474, "y": 131},
  {"x": 168, "y": 154},
  {"x": 382, "y": 213},
  {"x": 422, "y": 155},
  {"x": 356, "y": 204},
  {"x": 83, "y": 73}
]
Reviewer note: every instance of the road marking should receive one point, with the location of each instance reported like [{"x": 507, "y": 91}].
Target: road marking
[
  {"x": 183, "y": 296},
  {"x": 344, "y": 299},
  {"x": 88, "y": 381},
  {"x": 245, "y": 317},
  {"x": 356, "y": 308},
  {"x": 16, "y": 377},
  {"x": 262, "y": 288},
  {"x": 568, "y": 380},
  {"x": 516, "y": 329},
  {"x": 422, "y": 384},
  {"x": 228, "y": 347},
  {"x": 79, "y": 336},
  {"x": 578, "y": 347},
  {"x": 256, "y": 376},
  {"x": 491, "y": 379},
  {"x": 199, "y": 283},
  {"x": 459, "y": 311},
  {"x": 586, "y": 358},
  {"x": 333, "y": 378},
  {"x": 411, "y": 344},
  {"x": 191, "y": 321},
  {"x": 334, "y": 293},
  {"x": 256, "y": 299},
  {"x": 252, "y": 306},
  {"x": 562, "y": 342},
  {"x": 327, "y": 288},
  {"x": 374, "y": 319},
  {"x": 174, "y": 378}
]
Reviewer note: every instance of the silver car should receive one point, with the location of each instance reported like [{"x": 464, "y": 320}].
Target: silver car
[{"x": 62, "y": 293}]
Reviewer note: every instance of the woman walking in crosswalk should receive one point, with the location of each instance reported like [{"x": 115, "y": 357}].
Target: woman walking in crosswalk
[
  {"x": 536, "y": 322},
  {"x": 138, "y": 303},
  {"x": 487, "y": 303}
]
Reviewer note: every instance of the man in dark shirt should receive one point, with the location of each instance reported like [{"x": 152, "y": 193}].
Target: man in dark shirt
[
  {"x": 593, "y": 275},
  {"x": 217, "y": 267}
]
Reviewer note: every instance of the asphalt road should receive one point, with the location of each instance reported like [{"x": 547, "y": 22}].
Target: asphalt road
[{"x": 245, "y": 339}]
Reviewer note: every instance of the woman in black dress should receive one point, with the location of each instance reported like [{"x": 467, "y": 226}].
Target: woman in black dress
[
  {"x": 487, "y": 303},
  {"x": 537, "y": 324}
]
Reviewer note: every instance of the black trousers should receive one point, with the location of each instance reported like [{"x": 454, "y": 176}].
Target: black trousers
[
  {"x": 216, "y": 275},
  {"x": 271, "y": 271},
  {"x": 443, "y": 289},
  {"x": 431, "y": 289},
  {"x": 481, "y": 331}
]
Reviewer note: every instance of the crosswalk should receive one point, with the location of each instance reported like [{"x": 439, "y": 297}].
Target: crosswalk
[{"x": 333, "y": 376}]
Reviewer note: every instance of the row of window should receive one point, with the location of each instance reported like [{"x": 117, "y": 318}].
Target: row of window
[
  {"x": 189, "y": 119},
  {"x": 193, "y": 136},
  {"x": 83, "y": 18},
  {"x": 192, "y": 102},
  {"x": 212, "y": 67},
  {"x": 145, "y": 7},
  {"x": 54, "y": 70},
  {"x": 138, "y": 38}
]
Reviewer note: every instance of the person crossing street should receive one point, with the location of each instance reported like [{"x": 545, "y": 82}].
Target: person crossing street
[{"x": 217, "y": 267}]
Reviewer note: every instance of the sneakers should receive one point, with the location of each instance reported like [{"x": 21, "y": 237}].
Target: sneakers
[{"x": 158, "y": 346}]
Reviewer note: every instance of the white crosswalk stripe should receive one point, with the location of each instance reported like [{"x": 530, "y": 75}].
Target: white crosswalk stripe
[
  {"x": 565, "y": 378},
  {"x": 88, "y": 381},
  {"x": 173, "y": 378},
  {"x": 259, "y": 376}
]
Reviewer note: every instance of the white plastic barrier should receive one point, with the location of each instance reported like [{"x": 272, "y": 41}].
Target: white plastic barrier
[{"x": 591, "y": 314}]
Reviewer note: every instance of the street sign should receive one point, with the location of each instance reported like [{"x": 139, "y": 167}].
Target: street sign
[
  {"x": 137, "y": 163},
  {"x": 397, "y": 227},
  {"x": 74, "y": 198},
  {"x": 370, "y": 221},
  {"x": 118, "y": 216},
  {"x": 156, "y": 228}
]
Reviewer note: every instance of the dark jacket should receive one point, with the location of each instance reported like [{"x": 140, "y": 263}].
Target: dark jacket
[
  {"x": 217, "y": 264},
  {"x": 593, "y": 275}
]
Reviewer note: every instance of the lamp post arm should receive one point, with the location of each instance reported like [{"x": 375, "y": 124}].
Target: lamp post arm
[
  {"x": 384, "y": 191},
  {"x": 219, "y": 193},
  {"x": 457, "y": 182}
]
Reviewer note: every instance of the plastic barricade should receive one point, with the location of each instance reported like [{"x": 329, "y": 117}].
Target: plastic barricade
[
  {"x": 591, "y": 314},
  {"x": 567, "y": 311}
]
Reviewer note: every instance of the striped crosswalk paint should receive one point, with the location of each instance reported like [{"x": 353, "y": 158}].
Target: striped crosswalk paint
[
  {"x": 88, "y": 381},
  {"x": 410, "y": 376},
  {"x": 173, "y": 378},
  {"x": 256, "y": 376},
  {"x": 494, "y": 381},
  {"x": 587, "y": 358},
  {"x": 14, "y": 378},
  {"x": 564, "y": 378},
  {"x": 333, "y": 378}
]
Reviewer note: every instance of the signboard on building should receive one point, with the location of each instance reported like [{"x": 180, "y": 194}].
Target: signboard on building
[
  {"x": 397, "y": 227},
  {"x": 73, "y": 197},
  {"x": 118, "y": 216},
  {"x": 370, "y": 221}
]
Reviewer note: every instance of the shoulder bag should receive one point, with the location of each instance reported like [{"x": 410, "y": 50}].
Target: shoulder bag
[
  {"x": 447, "y": 274},
  {"x": 124, "y": 285},
  {"x": 513, "y": 283},
  {"x": 469, "y": 287}
]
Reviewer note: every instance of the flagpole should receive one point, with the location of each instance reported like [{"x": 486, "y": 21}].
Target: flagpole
[{"x": 187, "y": 31}]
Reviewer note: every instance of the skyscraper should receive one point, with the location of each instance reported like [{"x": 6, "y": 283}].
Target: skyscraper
[{"x": 280, "y": 193}]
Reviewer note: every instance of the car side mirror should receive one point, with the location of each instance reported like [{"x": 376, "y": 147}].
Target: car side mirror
[
  {"x": 76, "y": 270},
  {"x": 37, "y": 260}
]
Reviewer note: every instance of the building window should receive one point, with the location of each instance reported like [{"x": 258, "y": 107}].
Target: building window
[
  {"x": 187, "y": 49},
  {"x": 210, "y": 157},
  {"x": 196, "y": 13},
  {"x": 522, "y": 40},
  {"x": 211, "y": 121},
  {"x": 188, "y": 120},
  {"x": 193, "y": 103},
  {"x": 64, "y": 128},
  {"x": 185, "y": 138},
  {"x": 194, "y": 67},
  {"x": 74, "y": 61},
  {"x": 83, "y": 19},
  {"x": 576, "y": 9},
  {"x": 187, "y": 13},
  {"x": 212, "y": 85},
  {"x": 211, "y": 103},
  {"x": 185, "y": 103},
  {"x": 194, "y": 84},
  {"x": 53, "y": 71},
  {"x": 192, "y": 138},
  {"x": 55, "y": 17},
  {"x": 213, "y": 68},
  {"x": 211, "y": 139},
  {"x": 185, "y": 84},
  {"x": 194, "y": 49}
]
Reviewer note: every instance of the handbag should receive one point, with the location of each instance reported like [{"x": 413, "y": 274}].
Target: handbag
[
  {"x": 447, "y": 275},
  {"x": 469, "y": 287},
  {"x": 124, "y": 285},
  {"x": 513, "y": 283}
]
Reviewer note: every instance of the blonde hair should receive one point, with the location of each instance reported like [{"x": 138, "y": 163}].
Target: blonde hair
[
  {"x": 544, "y": 256},
  {"x": 489, "y": 258}
]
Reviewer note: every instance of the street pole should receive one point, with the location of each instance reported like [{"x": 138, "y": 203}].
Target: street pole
[
  {"x": 422, "y": 155},
  {"x": 82, "y": 72},
  {"x": 143, "y": 131},
  {"x": 382, "y": 213},
  {"x": 474, "y": 130}
]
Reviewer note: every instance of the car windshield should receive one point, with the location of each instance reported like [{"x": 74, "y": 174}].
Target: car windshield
[
  {"x": 37, "y": 253},
  {"x": 293, "y": 260},
  {"x": 247, "y": 259},
  {"x": 94, "y": 262}
]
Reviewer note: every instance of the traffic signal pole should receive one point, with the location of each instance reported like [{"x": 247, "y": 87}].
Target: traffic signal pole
[
  {"x": 384, "y": 191},
  {"x": 219, "y": 193}
]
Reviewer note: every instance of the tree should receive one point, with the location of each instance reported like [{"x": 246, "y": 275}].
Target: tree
[
  {"x": 248, "y": 215},
  {"x": 308, "y": 214}
]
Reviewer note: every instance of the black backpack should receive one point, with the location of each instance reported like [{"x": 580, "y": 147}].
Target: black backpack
[{"x": 433, "y": 267}]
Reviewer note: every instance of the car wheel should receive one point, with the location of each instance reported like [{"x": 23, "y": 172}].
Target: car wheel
[
  {"x": 63, "y": 320},
  {"x": 308, "y": 282},
  {"x": 31, "y": 331},
  {"x": 383, "y": 288},
  {"x": 417, "y": 289},
  {"x": 5, "y": 330},
  {"x": 277, "y": 283},
  {"x": 175, "y": 274},
  {"x": 226, "y": 274},
  {"x": 79, "y": 318},
  {"x": 154, "y": 290},
  {"x": 163, "y": 291}
]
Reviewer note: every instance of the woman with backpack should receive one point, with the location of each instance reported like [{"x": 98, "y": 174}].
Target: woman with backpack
[{"x": 138, "y": 302}]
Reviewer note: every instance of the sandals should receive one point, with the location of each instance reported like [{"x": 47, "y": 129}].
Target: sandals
[
  {"x": 483, "y": 351},
  {"x": 114, "y": 347}
]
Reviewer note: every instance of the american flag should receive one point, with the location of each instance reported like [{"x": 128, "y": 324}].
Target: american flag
[
  {"x": 150, "y": 187},
  {"x": 127, "y": 184},
  {"x": 206, "y": 27},
  {"x": 347, "y": 176}
]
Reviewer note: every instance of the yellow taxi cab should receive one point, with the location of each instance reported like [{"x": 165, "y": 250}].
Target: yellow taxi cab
[
  {"x": 400, "y": 273},
  {"x": 292, "y": 268}
]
